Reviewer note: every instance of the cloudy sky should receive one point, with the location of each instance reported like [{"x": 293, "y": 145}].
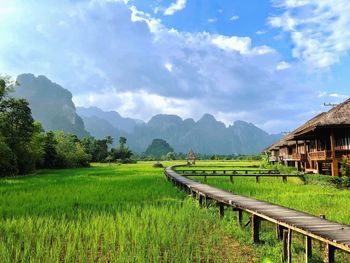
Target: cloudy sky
[{"x": 270, "y": 62}]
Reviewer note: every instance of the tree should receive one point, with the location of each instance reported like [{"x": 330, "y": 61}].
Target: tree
[
  {"x": 122, "y": 141},
  {"x": 50, "y": 152},
  {"x": 121, "y": 152},
  {"x": 18, "y": 131},
  {"x": 98, "y": 149},
  {"x": 70, "y": 151}
]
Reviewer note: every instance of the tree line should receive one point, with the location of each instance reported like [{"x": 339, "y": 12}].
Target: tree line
[{"x": 25, "y": 146}]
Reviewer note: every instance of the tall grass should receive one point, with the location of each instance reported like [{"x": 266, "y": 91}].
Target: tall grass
[
  {"x": 107, "y": 213},
  {"x": 314, "y": 199}
]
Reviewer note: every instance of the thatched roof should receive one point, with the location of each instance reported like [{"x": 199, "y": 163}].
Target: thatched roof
[
  {"x": 288, "y": 140},
  {"x": 338, "y": 116},
  {"x": 191, "y": 155}
]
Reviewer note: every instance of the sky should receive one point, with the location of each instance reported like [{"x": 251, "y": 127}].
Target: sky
[{"x": 270, "y": 62}]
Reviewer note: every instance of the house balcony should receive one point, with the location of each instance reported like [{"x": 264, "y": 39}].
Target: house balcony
[
  {"x": 298, "y": 157},
  {"x": 320, "y": 155},
  {"x": 341, "y": 153}
]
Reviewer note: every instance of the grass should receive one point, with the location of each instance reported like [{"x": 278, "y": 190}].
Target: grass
[
  {"x": 131, "y": 213},
  {"x": 314, "y": 199},
  {"x": 115, "y": 213}
]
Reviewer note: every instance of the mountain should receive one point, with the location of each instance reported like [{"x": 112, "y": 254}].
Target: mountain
[
  {"x": 207, "y": 135},
  {"x": 158, "y": 148},
  {"x": 100, "y": 128},
  {"x": 51, "y": 104},
  {"x": 112, "y": 117}
]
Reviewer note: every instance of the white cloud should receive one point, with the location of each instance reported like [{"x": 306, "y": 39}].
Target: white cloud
[
  {"x": 117, "y": 57},
  {"x": 241, "y": 44},
  {"x": 175, "y": 7},
  {"x": 234, "y": 18},
  {"x": 212, "y": 20},
  {"x": 319, "y": 29},
  {"x": 169, "y": 67},
  {"x": 283, "y": 65},
  {"x": 260, "y": 32}
]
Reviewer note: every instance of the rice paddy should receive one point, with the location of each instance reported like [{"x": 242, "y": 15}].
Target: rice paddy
[
  {"x": 108, "y": 213},
  {"x": 131, "y": 213}
]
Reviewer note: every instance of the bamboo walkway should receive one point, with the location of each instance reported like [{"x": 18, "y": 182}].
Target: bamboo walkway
[{"x": 332, "y": 234}]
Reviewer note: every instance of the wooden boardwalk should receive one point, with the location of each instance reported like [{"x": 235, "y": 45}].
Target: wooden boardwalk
[{"x": 333, "y": 235}]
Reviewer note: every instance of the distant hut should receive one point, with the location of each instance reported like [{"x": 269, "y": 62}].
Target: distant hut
[{"x": 191, "y": 158}]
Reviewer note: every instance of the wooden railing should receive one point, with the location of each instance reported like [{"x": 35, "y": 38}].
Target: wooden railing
[
  {"x": 333, "y": 235},
  {"x": 298, "y": 156},
  {"x": 320, "y": 155}
]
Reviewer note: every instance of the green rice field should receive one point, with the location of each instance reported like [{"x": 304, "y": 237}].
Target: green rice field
[{"x": 131, "y": 213}]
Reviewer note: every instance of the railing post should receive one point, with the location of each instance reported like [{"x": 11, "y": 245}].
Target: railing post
[
  {"x": 279, "y": 232},
  {"x": 329, "y": 253},
  {"x": 308, "y": 248},
  {"x": 257, "y": 179},
  {"x": 200, "y": 200},
  {"x": 221, "y": 210},
  {"x": 240, "y": 217},
  {"x": 231, "y": 179},
  {"x": 287, "y": 245},
  {"x": 255, "y": 222}
]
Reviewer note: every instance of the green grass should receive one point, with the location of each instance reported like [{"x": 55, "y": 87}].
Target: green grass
[
  {"x": 115, "y": 213},
  {"x": 131, "y": 213},
  {"x": 314, "y": 199}
]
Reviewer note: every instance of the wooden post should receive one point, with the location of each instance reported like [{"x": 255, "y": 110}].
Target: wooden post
[
  {"x": 193, "y": 194},
  {"x": 279, "y": 231},
  {"x": 308, "y": 248},
  {"x": 240, "y": 217},
  {"x": 329, "y": 253},
  {"x": 335, "y": 170},
  {"x": 287, "y": 245},
  {"x": 221, "y": 210},
  {"x": 200, "y": 200},
  {"x": 205, "y": 179},
  {"x": 231, "y": 179},
  {"x": 255, "y": 222},
  {"x": 206, "y": 201},
  {"x": 284, "y": 178},
  {"x": 257, "y": 179}
]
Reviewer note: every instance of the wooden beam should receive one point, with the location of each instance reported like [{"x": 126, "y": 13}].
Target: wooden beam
[
  {"x": 287, "y": 245},
  {"x": 308, "y": 248},
  {"x": 200, "y": 200},
  {"x": 329, "y": 253},
  {"x": 335, "y": 170},
  {"x": 255, "y": 222},
  {"x": 279, "y": 231},
  {"x": 221, "y": 210}
]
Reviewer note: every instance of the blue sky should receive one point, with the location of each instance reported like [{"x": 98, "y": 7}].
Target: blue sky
[{"x": 269, "y": 62}]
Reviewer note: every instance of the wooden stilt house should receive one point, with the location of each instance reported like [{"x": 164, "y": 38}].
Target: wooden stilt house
[{"x": 327, "y": 139}]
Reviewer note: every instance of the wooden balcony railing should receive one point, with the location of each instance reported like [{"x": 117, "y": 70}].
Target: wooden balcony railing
[
  {"x": 320, "y": 155},
  {"x": 298, "y": 156}
]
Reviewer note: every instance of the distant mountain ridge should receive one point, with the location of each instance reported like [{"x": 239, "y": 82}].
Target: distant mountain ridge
[
  {"x": 113, "y": 117},
  {"x": 207, "y": 135},
  {"x": 52, "y": 105}
]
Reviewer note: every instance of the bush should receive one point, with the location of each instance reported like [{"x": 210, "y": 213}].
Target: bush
[{"x": 157, "y": 165}]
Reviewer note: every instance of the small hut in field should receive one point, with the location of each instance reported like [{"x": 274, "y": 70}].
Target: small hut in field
[{"x": 191, "y": 157}]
